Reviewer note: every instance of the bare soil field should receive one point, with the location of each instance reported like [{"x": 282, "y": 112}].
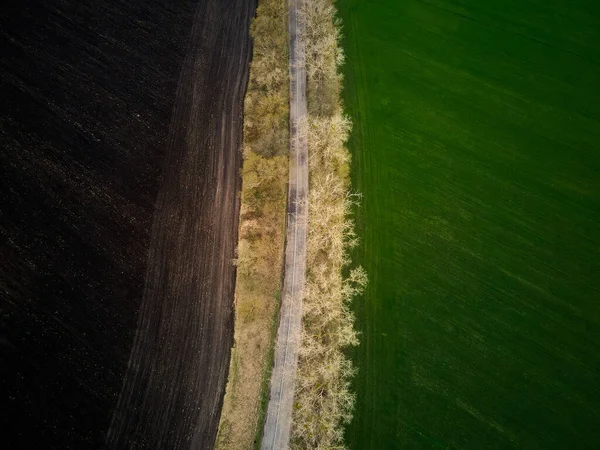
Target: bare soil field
[
  {"x": 174, "y": 388},
  {"x": 120, "y": 129}
]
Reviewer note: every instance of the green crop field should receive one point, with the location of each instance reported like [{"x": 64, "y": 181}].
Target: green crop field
[{"x": 476, "y": 144}]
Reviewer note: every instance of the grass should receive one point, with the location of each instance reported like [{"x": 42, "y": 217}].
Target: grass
[
  {"x": 262, "y": 230},
  {"x": 264, "y": 400},
  {"x": 476, "y": 145}
]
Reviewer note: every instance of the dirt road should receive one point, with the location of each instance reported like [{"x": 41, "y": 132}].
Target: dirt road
[
  {"x": 276, "y": 433},
  {"x": 172, "y": 394}
]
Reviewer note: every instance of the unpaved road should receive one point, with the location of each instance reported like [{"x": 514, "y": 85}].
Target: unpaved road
[
  {"x": 276, "y": 433},
  {"x": 173, "y": 390}
]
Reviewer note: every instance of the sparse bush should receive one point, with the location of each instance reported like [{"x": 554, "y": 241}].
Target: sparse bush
[{"x": 266, "y": 107}]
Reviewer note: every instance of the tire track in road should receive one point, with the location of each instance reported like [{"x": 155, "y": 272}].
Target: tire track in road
[
  {"x": 173, "y": 391},
  {"x": 276, "y": 433}
]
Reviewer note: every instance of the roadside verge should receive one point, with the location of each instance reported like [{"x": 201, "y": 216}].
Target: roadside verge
[{"x": 261, "y": 232}]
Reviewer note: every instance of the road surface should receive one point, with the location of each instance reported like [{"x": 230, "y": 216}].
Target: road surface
[{"x": 276, "y": 433}]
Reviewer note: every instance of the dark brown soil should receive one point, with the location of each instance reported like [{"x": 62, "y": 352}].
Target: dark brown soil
[
  {"x": 174, "y": 387},
  {"x": 91, "y": 233}
]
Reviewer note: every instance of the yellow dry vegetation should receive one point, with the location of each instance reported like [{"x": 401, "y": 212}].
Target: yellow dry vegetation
[{"x": 261, "y": 231}]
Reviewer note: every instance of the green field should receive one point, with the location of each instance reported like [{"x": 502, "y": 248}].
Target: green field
[{"x": 476, "y": 144}]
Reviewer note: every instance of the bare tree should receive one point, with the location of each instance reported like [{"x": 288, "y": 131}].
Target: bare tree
[{"x": 323, "y": 399}]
